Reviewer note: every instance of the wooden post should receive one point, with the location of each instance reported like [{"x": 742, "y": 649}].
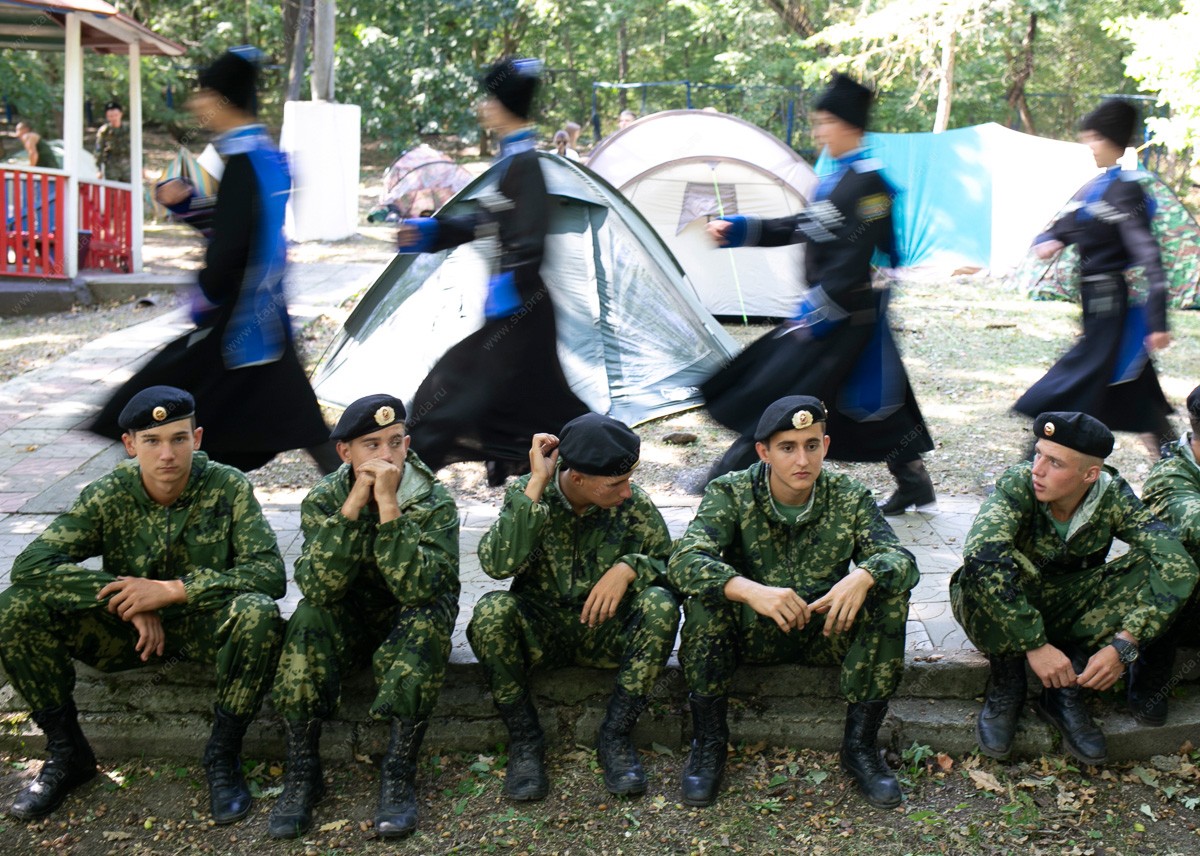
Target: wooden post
[
  {"x": 136, "y": 203},
  {"x": 72, "y": 144}
]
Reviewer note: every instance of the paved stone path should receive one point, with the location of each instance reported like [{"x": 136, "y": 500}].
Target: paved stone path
[{"x": 46, "y": 458}]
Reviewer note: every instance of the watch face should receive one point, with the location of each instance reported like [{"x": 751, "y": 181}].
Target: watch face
[{"x": 1126, "y": 651}]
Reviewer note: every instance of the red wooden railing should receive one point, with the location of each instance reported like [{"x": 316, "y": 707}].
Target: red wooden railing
[
  {"x": 31, "y": 237},
  {"x": 105, "y": 226}
]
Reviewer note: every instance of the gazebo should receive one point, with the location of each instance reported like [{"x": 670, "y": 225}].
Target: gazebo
[{"x": 100, "y": 224}]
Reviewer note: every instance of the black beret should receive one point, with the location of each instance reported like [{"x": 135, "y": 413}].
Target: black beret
[
  {"x": 847, "y": 99},
  {"x": 234, "y": 74},
  {"x": 113, "y": 105},
  {"x": 370, "y": 413},
  {"x": 1193, "y": 403},
  {"x": 1078, "y": 431},
  {"x": 788, "y": 414},
  {"x": 1115, "y": 120},
  {"x": 598, "y": 445},
  {"x": 154, "y": 406},
  {"x": 514, "y": 82}
]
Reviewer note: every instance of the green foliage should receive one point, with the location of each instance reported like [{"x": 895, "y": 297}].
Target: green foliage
[{"x": 1164, "y": 60}]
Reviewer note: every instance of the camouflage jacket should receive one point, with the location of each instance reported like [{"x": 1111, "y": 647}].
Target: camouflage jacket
[
  {"x": 412, "y": 559},
  {"x": 1013, "y": 544},
  {"x": 213, "y": 537},
  {"x": 738, "y": 531},
  {"x": 1172, "y": 492},
  {"x": 559, "y": 555},
  {"x": 112, "y": 151}
]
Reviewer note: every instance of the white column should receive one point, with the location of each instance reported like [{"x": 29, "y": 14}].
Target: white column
[
  {"x": 135, "y": 154},
  {"x": 72, "y": 144}
]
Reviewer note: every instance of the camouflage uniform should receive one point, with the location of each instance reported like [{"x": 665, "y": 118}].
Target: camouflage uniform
[
  {"x": 738, "y": 531},
  {"x": 112, "y": 151},
  {"x": 213, "y": 537},
  {"x": 1022, "y": 586},
  {"x": 384, "y": 592},
  {"x": 557, "y": 557},
  {"x": 1172, "y": 491}
]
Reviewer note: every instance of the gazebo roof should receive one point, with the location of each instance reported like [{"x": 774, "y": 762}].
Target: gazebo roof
[{"x": 38, "y": 25}]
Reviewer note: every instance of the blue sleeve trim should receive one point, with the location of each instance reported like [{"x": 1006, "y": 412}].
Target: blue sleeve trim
[
  {"x": 738, "y": 230},
  {"x": 427, "y": 228}
]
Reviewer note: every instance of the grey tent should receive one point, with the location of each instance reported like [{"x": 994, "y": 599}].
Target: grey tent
[{"x": 633, "y": 337}]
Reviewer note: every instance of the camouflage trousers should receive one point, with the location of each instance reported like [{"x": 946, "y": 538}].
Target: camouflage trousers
[
  {"x": 513, "y": 634},
  {"x": 37, "y": 644},
  {"x": 407, "y": 646},
  {"x": 1084, "y": 609},
  {"x": 716, "y": 639}
]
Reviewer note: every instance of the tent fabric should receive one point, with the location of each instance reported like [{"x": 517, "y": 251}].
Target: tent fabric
[
  {"x": 421, "y": 181},
  {"x": 1178, "y": 237},
  {"x": 682, "y": 168},
  {"x": 975, "y": 196},
  {"x": 633, "y": 339}
]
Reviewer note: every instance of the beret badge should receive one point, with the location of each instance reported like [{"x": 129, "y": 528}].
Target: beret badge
[
  {"x": 802, "y": 419},
  {"x": 385, "y": 416},
  {"x": 159, "y": 413},
  {"x": 1049, "y": 429}
]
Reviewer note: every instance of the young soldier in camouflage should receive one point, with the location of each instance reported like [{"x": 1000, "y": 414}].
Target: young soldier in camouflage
[
  {"x": 1173, "y": 493},
  {"x": 191, "y": 571},
  {"x": 112, "y": 145},
  {"x": 766, "y": 566},
  {"x": 588, "y": 550},
  {"x": 1034, "y": 585},
  {"x": 379, "y": 574}
]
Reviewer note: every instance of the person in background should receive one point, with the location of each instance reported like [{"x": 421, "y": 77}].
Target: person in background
[{"x": 112, "y": 145}]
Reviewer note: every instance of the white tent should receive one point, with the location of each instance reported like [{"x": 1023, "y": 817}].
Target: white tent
[
  {"x": 681, "y": 168},
  {"x": 633, "y": 339}
]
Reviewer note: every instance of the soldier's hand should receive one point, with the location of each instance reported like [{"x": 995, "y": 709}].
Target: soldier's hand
[
  {"x": 605, "y": 596},
  {"x": 1102, "y": 670},
  {"x": 718, "y": 230},
  {"x": 1158, "y": 341},
  {"x": 130, "y": 596},
  {"x": 1047, "y": 249},
  {"x": 152, "y": 639},
  {"x": 543, "y": 456},
  {"x": 782, "y": 605},
  {"x": 1052, "y": 667},
  {"x": 843, "y": 601},
  {"x": 386, "y": 477},
  {"x": 360, "y": 494}
]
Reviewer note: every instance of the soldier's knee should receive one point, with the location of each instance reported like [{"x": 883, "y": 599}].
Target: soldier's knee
[
  {"x": 697, "y": 614},
  {"x": 659, "y": 604},
  {"x": 20, "y": 609},
  {"x": 496, "y": 613},
  {"x": 256, "y": 614},
  {"x": 307, "y": 614}
]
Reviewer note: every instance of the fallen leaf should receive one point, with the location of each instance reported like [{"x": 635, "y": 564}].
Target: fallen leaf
[
  {"x": 1187, "y": 748},
  {"x": 985, "y": 781},
  {"x": 1145, "y": 809},
  {"x": 334, "y": 825},
  {"x": 117, "y": 835},
  {"x": 944, "y": 762}
]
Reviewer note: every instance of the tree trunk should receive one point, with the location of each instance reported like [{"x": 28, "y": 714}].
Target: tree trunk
[
  {"x": 298, "y": 47},
  {"x": 622, "y": 63},
  {"x": 795, "y": 16},
  {"x": 324, "y": 20},
  {"x": 946, "y": 83},
  {"x": 1023, "y": 70}
]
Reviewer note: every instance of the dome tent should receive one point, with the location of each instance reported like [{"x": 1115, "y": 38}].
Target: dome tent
[
  {"x": 633, "y": 339},
  {"x": 681, "y": 168},
  {"x": 417, "y": 184}
]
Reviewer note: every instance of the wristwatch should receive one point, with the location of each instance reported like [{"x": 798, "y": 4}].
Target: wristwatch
[{"x": 1126, "y": 650}]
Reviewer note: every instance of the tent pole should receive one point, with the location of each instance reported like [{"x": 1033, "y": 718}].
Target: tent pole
[{"x": 732, "y": 264}]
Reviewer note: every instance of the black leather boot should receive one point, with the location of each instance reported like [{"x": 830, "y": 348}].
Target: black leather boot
[
  {"x": 860, "y": 755},
  {"x": 1002, "y": 704},
  {"x": 303, "y": 783},
  {"x": 710, "y": 745},
  {"x": 228, "y": 796},
  {"x": 913, "y": 487},
  {"x": 71, "y": 763},
  {"x": 1149, "y": 679},
  {"x": 623, "y": 773},
  {"x": 1066, "y": 711},
  {"x": 397, "y": 815},
  {"x": 525, "y": 775}
]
